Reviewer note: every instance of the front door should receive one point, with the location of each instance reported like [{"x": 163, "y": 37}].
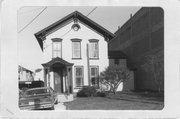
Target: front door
[{"x": 58, "y": 80}]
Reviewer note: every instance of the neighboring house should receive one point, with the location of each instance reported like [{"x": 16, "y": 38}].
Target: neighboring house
[
  {"x": 118, "y": 58},
  {"x": 78, "y": 56},
  {"x": 25, "y": 74},
  {"x": 140, "y": 36},
  {"x": 38, "y": 75}
]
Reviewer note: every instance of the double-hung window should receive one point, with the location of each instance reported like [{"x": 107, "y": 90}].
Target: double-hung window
[
  {"x": 76, "y": 48},
  {"x": 93, "y": 49},
  {"x": 57, "y": 47},
  {"x": 79, "y": 76},
  {"x": 94, "y": 75}
]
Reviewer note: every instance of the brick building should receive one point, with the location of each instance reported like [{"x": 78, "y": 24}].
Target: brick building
[{"x": 141, "y": 36}]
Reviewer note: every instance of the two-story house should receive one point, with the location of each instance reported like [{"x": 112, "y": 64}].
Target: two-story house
[{"x": 79, "y": 51}]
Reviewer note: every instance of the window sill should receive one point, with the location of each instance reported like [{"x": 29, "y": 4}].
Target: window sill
[
  {"x": 80, "y": 87},
  {"x": 76, "y": 58},
  {"x": 93, "y": 58}
]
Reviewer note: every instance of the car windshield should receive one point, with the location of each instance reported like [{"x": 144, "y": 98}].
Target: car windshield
[{"x": 36, "y": 92}]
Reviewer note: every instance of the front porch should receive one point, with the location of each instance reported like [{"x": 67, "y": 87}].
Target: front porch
[{"x": 58, "y": 75}]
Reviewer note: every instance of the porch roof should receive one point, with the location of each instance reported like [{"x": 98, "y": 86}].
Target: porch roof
[
  {"x": 57, "y": 60},
  {"x": 41, "y": 35}
]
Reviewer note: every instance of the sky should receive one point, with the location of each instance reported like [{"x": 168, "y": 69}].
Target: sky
[{"x": 29, "y": 51}]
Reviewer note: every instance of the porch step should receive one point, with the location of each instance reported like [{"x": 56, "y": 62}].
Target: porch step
[
  {"x": 60, "y": 106},
  {"x": 65, "y": 98}
]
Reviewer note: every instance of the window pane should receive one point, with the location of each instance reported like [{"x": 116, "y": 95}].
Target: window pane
[
  {"x": 76, "y": 45},
  {"x": 93, "y": 81},
  {"x": 79, "y": 76},
  {"x": 94, "y": 76},
  {"x": 56, "y": 49},
  {"x": 78, "y": 81},
  {"x": 93, "y": 71},
  {"x": 93, "y": 50},
  {"x": 116, "y": 61},
  {"x": 78, "y": 71},
  {"x": 76, "y": 50}
]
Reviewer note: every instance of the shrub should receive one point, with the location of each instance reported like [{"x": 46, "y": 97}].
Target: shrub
[
  {"x": 87, "y": 91},
  {"x": 113, "y": 76},
  {"x": 101, "y": 94},
  {"x": 81, "y": 93}
]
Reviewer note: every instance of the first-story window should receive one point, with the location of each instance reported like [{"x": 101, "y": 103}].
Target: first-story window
[
  {"x": 94, "y": 75},
  {"x": 79, "y": 76}
]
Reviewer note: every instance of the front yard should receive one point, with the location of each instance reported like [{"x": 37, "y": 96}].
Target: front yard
[{"x": 113, "y": 103}]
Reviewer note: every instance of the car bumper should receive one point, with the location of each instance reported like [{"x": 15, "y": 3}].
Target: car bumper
[{"x": 36, "y": 107}]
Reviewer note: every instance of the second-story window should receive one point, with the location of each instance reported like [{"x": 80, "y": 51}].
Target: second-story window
[
  {"x": 93, "y": 49},
  {"x": 56, "y": 47},
  {"x": 76, "y": 48}
]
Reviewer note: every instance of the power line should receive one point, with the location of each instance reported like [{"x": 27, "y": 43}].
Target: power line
[
  {"x": 86, "y": 15},
  {"x": 91, "y": 11},
  {"x": 32, "y": 20},
  {"x": 71, "y": 29},
  {"x": 32, "y": 10},
  {"x": 66, "y": 33}
]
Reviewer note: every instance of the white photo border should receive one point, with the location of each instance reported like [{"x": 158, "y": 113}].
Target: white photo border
[{"x": 9, "y": 63}]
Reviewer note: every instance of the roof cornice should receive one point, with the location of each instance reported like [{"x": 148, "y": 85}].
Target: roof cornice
[{"x": 41, "y": 35}]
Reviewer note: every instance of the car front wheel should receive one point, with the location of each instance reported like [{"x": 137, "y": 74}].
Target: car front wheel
[{"x": 52, "y": 108}]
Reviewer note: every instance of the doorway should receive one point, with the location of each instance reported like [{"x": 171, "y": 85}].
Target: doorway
[{"x": 58, "y": 79}]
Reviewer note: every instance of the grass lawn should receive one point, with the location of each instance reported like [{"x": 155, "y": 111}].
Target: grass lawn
[{"x": 104, "y": 103}]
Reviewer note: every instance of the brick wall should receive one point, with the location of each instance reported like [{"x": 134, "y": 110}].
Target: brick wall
[{"x": 141, "y": 35}]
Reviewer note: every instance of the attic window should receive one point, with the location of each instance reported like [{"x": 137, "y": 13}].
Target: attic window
[{"x": 75, "y": 26}]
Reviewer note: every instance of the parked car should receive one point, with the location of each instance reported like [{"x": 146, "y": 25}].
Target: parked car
[
  {"x": 55, "y": 95},
  {"x": 30, "y": 84},
  {"x": 37, "y": 98}
]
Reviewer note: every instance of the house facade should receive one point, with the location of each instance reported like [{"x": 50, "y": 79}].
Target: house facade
[
  {"x": 139, "y": 42},
  {"x": 25, "y": 74},
  {"x": 78, "y": 52}
]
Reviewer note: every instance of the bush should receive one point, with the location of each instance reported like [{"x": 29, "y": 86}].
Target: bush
[
  {"x": 87, "y": 91},
  {"x": 81, "y": 93},
  {"x": 101, "y": 94}
]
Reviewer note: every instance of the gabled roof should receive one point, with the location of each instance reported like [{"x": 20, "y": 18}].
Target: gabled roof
[
  {"x": 20, "y": 68},
  {"x": 57, "y": 60},
  {"x": 41, "y": 35}
]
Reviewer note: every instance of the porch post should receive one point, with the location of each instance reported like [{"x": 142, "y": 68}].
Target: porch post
[
  {"x": 67, "y": 79},
  {"x": 48, "y": 76},
  {"x": 45, "y": 76},
  {"x": 70, "y": 80}
]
